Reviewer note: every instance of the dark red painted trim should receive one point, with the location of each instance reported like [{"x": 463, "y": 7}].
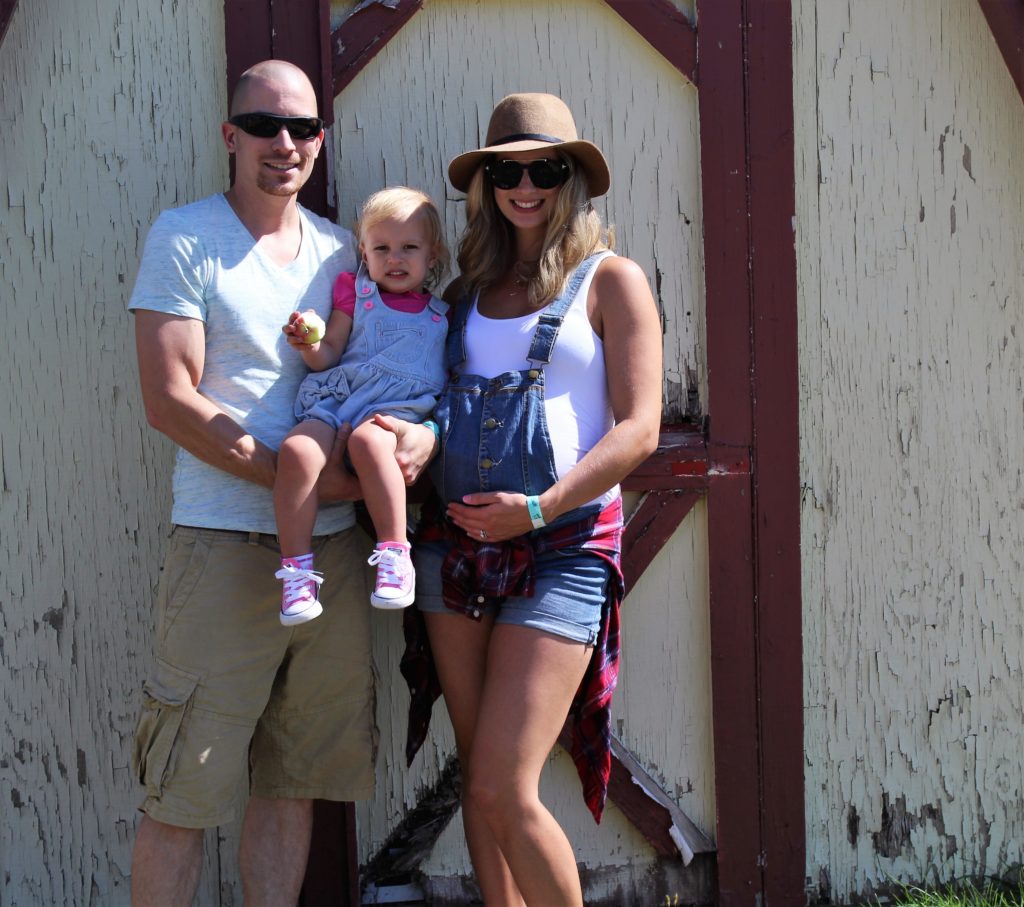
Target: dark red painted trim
[
  {"x": 650, "y": 526},
  {"x": 734, "y": 692},
  {"x": 730, "y": 520},
  {"x": 665, "y": 28},
  {"x": 776, "y": 453},
  {"x": 1006, "y": 19},
  {"x": 332, "y": 872},
  {"x": 299, "y": 33},
  {"x": 748, "y": 184},
  {"x": 6, "y": 12},
  {"x": 363, "y": 35}
]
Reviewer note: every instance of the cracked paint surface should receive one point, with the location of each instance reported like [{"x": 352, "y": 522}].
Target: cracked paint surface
[{"x": 910, "y": 196}]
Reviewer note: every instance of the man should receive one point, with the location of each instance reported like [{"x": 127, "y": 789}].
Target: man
[{"x": 241, "y": 714}]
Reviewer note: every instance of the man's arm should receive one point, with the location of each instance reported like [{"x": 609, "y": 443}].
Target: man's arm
[{"x": 172, "y": 351}]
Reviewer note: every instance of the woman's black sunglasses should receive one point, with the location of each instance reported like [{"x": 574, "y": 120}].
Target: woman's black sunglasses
[
  {"x": 268, "y": 125},
  {"x": 545, "y": 173}
]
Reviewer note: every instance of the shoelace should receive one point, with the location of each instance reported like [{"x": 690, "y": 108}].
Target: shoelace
[
  {"x": 295, "y": 580},
  {"x": 388, "y": 563}
]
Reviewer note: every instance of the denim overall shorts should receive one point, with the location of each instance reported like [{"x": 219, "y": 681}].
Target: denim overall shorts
[{"x": 494, "y": 437}]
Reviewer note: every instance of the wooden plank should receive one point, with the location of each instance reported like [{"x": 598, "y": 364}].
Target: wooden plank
[
  {"x": 1006, "y": 19},
  {"x": 7, "y": 8},
  {"x": 776, "y": 452},
  {"x": 332, "y": 872},
  {"x": 647, "y": 806},
  {"x": 363, "y": 35},
  {"x": 730, "y": 521},
  {"x": 665, "y": 28},
  {"x": 415, "y": 836},
  {"x": 258, "y": 30},
  {"x": 650, "y": 526},
  {"x": 734, "y": 691}
]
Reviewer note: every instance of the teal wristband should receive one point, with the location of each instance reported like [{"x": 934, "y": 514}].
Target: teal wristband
[
  {"x": 536, "y": 517},
  {"x": 434, "y": 427}
]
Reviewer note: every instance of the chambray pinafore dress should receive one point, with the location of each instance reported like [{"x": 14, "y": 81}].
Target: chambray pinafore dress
[{"x": 394, "y": 363}]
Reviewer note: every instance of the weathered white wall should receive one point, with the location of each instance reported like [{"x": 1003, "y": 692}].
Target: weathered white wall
[
  {"x": 109, "y": 112},
  {"x": 426, "y": 97},
  {"x": 910, "y": 200}
]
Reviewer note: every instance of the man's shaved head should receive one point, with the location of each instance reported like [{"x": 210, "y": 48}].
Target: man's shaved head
[{"x": 271, "y": 72}]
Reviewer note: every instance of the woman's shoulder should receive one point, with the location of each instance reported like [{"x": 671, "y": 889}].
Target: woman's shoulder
[{"x": 617, "y": 273}]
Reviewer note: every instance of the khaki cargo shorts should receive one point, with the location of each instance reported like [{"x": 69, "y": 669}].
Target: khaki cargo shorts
[{"x": 237, "y": 703}]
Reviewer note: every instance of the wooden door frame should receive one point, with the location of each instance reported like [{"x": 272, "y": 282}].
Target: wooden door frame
[{"x": 740, "y": 58}]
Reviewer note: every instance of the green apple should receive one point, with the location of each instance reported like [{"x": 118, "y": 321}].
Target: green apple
[{"x": 311, "y": 326}]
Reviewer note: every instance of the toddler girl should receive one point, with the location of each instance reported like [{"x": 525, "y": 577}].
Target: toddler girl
[{"x": 382, "y": 352}]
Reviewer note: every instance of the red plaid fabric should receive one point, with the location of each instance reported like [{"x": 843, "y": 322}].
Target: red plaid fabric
[{"x": 495, "y": 571}]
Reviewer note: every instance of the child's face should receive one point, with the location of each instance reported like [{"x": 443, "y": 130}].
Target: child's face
[{"x": 398, "y": 254}]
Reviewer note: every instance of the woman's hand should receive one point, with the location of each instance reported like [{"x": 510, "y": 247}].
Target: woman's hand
[
  {"x": 336, "y": 483},
  {"x": 415, "y": 445},
  {"x": 499, "y": 515}
]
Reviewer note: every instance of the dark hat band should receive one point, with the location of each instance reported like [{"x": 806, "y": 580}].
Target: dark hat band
[{"x": 528, "y": 136}]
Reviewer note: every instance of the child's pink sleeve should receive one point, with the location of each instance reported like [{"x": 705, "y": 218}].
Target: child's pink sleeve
[{"x": 343, "y": 296}]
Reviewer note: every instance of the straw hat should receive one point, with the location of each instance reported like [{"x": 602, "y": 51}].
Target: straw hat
[{"x": 526, "y": 122}]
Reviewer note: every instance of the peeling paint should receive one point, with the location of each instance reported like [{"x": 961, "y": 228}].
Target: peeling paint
[{"x": 910, "y": 198}]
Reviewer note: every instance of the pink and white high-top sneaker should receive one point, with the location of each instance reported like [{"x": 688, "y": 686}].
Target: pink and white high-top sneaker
[{"x": 396, "y": 578}]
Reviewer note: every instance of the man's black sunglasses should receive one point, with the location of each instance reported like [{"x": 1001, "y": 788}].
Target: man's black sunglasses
[
  {"x": 545, "y": 173},
  {"x": 268, "y": 125}
]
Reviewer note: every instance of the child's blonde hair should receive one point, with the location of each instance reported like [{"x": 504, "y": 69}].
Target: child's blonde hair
[{"x": 403, "y": 203}]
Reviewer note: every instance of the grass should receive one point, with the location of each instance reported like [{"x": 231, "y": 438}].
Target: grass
[{"x": 960, "y": 894}]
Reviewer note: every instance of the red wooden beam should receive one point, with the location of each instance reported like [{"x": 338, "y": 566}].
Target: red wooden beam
[
  {"x": 363, "y": 35},
  {"x": 299, "y": 33},
  {"x": 6, "y": 12},
  {"x": 665, "y": 28},
  {"x": 1006, "y": 19},
  {"x": 724, "y": 184},
  {"x": 650, "y": 526},
  {"x": 649, "y": 809},
  {"x": 776, "y": 451}
]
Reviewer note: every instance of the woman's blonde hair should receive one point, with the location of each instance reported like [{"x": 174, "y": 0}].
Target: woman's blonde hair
[
  {"x": 487, "y": 248},
  {"x": 403, "y": 203}
]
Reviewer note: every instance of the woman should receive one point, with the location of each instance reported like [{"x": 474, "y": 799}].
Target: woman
[{"x": 554, "y": 396}]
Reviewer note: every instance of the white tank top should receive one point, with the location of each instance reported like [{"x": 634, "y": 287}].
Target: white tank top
[{"x": 576, "y": 403}]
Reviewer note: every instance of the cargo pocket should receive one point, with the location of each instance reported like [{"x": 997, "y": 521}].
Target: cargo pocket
[{"x": 166, "y": 700}]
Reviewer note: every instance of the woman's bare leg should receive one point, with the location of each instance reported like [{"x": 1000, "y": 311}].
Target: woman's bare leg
[
  {"x": 530, "y": 681},
  {"x": 459, "y": 646}
]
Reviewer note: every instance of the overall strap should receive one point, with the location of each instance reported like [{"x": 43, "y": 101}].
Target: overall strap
[
  {"x": 455, "y": 344},
  {"x": 437, "y": 305},
  {"x": 550, "y": 320}
]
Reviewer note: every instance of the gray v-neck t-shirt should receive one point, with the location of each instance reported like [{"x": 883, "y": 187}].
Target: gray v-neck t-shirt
[{"x": 201, "y": 262}]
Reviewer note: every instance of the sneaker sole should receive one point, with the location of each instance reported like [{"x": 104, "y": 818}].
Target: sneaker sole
[
  {"x": 312, "y": 612},
  {"x": 392, "y": 604}
]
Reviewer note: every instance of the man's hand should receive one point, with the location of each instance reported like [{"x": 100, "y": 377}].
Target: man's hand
[
  {"x": 416, "y": 445},
  {"x": 336, "y": 483}
]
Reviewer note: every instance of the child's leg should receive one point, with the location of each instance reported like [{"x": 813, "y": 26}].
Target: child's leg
[
  {"x": 372, "y": 452},
  {"x": 300, "y": 461}
]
